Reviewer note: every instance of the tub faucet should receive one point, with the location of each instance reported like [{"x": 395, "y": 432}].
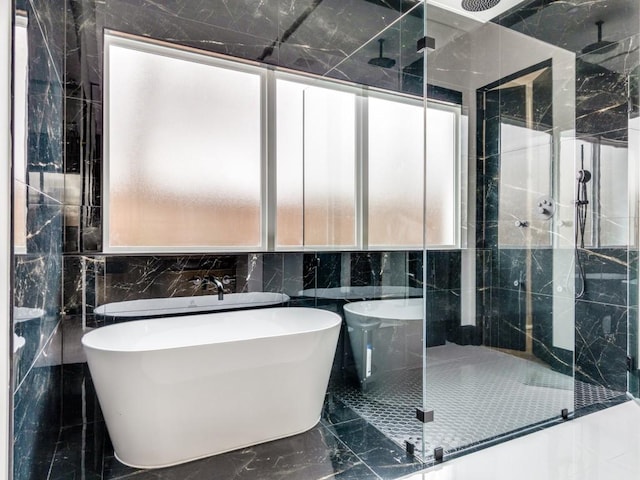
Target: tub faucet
[
  {"x": 204, "y": 282},
  {"x": 218, "y": 284}
]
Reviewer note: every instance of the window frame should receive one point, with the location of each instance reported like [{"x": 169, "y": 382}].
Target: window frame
[
  {"x": 269, "y": 76},
  {"x": 174, "y": 51},
  {"x": 456, "y": 109}
]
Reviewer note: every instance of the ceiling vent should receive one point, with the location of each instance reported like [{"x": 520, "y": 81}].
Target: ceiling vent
[{"x": 479, "y": 5}]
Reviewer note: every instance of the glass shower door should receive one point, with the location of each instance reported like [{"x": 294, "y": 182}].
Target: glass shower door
[
  {"x": 507, "y": 292},
  {"x": 363, "y": 205}
]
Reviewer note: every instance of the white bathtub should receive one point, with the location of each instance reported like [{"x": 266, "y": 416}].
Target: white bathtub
[
  {"x": 180, "y": 388},
  {"x": 153, "y": 307},
  {"x": 362, "y": 292},
  {"x": 385, "y": 335}
]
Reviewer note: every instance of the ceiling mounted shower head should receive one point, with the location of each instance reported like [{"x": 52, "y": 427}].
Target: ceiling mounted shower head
[
  {"x": 601, "y": 46},
  {"x": 382, "y": 61},
  {"x": 479, "y": 5}
]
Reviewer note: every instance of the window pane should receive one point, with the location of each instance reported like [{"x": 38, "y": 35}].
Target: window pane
[
  {"x": 329, "y": 167},
  {"x": 441, "y": 183},
  {"x": 20, "y": 59},
  {"x": 525, "y": 166},
  {"x": 396, "y": 172},
  {"x": 614, "y": 206},
  {"x": 290, "y": 154},
  {"x": 184, "y": 150}
]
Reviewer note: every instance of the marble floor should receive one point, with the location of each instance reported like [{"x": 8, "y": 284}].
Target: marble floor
[
  {"x": 342, "y": 446},
  {"x": 604, "y": 445}
]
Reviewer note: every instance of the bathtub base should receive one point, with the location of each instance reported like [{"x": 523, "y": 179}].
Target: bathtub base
[{"x": 173, "y": 464}]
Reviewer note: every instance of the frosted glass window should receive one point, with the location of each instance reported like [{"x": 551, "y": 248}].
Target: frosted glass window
[
  {"x": 396, "y": 173},
  {"x": 20, "y": 69},
  {"x": 607, "y": 192},
  {"x": 329, "y": 168},
  {"x": 290, "y": 155},
  {"x": 614, "y": 206},
  {"x": 442, "y": 217},
  {"x": 184, "y": 150},
  {"x": 525, "y": 177}
]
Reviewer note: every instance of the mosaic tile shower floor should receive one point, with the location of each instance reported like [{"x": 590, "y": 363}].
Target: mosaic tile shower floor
[{"x": 476, "y": 393}]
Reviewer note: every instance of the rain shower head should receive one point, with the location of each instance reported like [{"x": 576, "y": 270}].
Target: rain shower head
[
  {"x": 382, "y": 61},
  {"x": 601, "y": 46},
  {"x": 479, "y": 5}
]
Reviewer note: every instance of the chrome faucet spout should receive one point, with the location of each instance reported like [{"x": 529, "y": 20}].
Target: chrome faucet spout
[
  {"x": 209, "y": 281},
  {"x": 219, "y": 287}
]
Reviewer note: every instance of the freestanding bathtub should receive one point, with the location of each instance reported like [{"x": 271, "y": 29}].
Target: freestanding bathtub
[
  {"x": 180, "y": 388},
  {"x": 385, "y": 335}
]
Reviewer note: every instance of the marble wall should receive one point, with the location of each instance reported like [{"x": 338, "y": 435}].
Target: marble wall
[{"x": 38, "y": 269}]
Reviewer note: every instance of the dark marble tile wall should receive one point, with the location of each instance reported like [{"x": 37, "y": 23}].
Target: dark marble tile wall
[
  {"x": 602, "y": 319},
  {"x": 634, "y": 322},
  {"x": 443, "y": 293},
  {"x": 38, "y": 271}
]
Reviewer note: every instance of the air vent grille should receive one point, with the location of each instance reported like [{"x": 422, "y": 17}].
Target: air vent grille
[{"x": 479, "y": 5}]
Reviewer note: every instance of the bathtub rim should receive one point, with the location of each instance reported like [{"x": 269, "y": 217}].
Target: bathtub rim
[
  {"x": 133, "y": 311},
  {"x": 349, "y": 309},
  {"x": 137, "y": 349}
]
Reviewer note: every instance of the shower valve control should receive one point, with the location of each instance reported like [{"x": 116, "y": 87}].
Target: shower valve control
[{"x": 545, "y": 208}]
